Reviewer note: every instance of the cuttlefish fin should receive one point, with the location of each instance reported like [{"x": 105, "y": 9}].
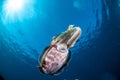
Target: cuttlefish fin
[{"x": 54, "y": 37}]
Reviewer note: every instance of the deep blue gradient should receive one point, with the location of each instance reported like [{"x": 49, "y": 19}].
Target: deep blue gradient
[{"x": 96, "y": 55}]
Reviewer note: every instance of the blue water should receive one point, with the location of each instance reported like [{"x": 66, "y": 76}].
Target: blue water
[{"x": 26, "y": 32}]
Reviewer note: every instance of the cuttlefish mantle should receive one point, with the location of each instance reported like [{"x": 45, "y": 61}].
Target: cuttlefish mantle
[{"x": 57, "y": 55}]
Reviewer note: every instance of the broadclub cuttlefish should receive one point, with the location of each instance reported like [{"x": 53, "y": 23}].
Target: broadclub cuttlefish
[{"x": 57, "y": 55}]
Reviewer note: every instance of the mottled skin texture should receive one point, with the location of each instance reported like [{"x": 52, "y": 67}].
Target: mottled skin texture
[
  {"x": 57, "y": 54},
  {"x": 43, "y": 62},
  {"x": 54, "y": 60}
]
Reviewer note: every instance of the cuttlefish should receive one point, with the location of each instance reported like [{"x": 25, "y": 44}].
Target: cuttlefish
[{"x": 57, "y": 55}]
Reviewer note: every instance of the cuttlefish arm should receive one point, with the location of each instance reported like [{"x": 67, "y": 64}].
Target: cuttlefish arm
[{"x": 69, "y": 37}]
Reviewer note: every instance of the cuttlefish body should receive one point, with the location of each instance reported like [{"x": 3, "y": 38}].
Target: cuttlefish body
[{"x": 57, "y": 55}]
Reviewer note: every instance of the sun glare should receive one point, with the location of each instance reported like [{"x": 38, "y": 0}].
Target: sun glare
[
  {"x": 14, "y": 5},
  {"x": 17, "y": 10}
]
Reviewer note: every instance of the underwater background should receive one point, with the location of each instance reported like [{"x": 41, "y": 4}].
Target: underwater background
[{"x": 27, "y": 27}]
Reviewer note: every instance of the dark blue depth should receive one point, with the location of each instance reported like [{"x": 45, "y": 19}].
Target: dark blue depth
[{"x": 25, "y": 34}]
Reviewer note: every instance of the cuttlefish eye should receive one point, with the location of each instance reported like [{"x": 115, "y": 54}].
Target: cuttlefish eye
[{"x": 62, "y": 48}]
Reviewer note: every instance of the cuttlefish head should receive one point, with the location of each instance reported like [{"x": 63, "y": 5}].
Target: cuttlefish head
[{"x": 69, "y": 37}]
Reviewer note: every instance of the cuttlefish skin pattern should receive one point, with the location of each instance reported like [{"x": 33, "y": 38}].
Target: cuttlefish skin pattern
[{"x": 57, "y": 55}]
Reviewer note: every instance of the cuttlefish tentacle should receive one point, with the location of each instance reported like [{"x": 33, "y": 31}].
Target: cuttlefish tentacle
[{"x": 69, "y": 37}]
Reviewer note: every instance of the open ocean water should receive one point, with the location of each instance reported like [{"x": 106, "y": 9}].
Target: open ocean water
[{"x": 27, "y": 27}]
